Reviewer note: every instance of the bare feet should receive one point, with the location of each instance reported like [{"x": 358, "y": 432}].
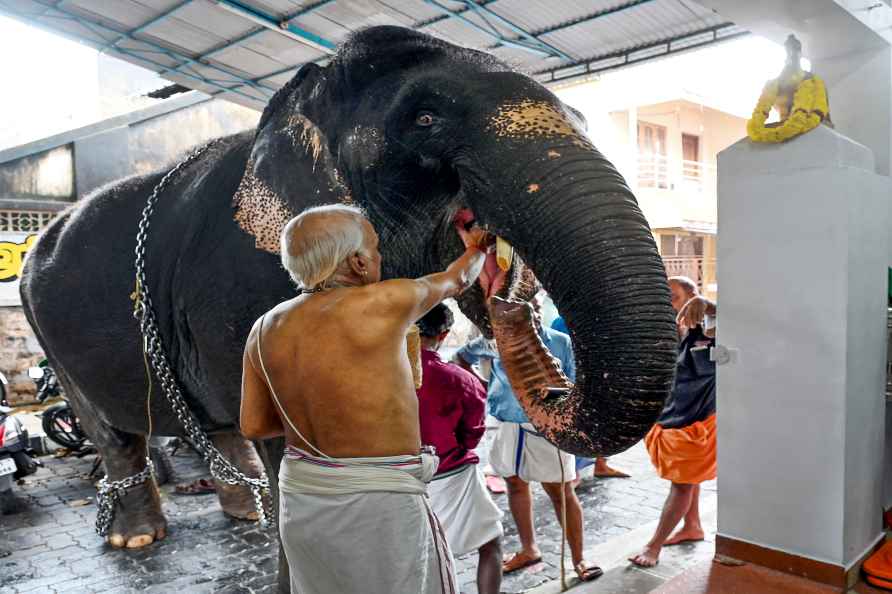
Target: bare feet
[
  {"x": 602, "y": 470},
  {"x": 520, "y": 560},
  {"x": 685, "y": 535},
  {"x": 649, "y": 557}
]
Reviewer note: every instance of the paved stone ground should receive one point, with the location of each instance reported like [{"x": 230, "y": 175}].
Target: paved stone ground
[{"x": 54, "y": 547}]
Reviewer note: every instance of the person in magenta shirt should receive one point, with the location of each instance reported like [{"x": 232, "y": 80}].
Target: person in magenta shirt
[{"x": 452, "y": 412}]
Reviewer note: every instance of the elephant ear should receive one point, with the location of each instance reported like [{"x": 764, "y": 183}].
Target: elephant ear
[{"x": 290, "y": 168}]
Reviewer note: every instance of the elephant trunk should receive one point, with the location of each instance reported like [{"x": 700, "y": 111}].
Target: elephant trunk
[{"x": 574, "y": 222}]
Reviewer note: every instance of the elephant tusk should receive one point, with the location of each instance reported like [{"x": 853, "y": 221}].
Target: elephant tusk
[{"x": 504, "y": 254}]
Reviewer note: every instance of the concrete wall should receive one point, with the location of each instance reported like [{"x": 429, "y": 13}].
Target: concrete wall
[
  {"x": 19, "y": 350},
  {"x": 47, "y": 174}
]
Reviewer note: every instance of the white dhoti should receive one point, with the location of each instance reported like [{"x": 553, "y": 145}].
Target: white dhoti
[
  {"x": 518, "y": 450},
  {"x": 462, "y": 504},
  {"x": 362, "y": 525}
]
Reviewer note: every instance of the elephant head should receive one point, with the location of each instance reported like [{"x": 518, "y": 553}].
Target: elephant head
[{"x": 423, "y": 135}]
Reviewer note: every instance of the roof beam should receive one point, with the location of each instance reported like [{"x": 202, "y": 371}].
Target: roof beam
[
  {"x": 524, "y": 34},
  {"x": 173, "y": 54},
  {"x": 100, "y": 30},
  {"x": 148, "y": 23},
  {"x": 438, "y": 19},
  {"x": 540, "y": 49},
  {"x": 641, "y": 53},
  {"x": 584, "y": 19},
  {"x": 205, "y": 57},
  {"x": 285, "y": 27}
]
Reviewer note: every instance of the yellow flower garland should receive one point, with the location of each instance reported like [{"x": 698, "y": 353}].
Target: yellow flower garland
[{"x": 810, "y": 108}]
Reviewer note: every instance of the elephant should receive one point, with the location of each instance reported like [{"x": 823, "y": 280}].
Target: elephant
[{"x": 422, "y": 135}]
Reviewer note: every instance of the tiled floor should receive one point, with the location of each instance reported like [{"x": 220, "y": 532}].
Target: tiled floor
[
  {"x": 715, "y": 578},
  {"x": 55, "y": 549}
]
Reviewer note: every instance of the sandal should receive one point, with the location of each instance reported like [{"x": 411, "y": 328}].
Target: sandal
[
  {"x": 519, "y": 561},
  {"x": 496, "y": 484},
  {"x": 586, "y": 573},
  {"x": 197, "y": 487}
]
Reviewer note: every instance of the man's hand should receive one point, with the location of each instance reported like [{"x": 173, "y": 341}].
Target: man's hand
[
  {"x": 475, "y": 237},
  {"x": 481, "y": 239},
  {"x": 692, "y": 312}
]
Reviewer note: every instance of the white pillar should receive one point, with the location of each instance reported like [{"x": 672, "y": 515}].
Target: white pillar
[
  {"x": 859, "y": 86},
  {"x": 802, "y": 264}
]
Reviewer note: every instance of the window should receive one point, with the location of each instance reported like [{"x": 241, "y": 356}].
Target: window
[
  {"x": 690, "y": 153},
  {"x": 653, "y": 171},
  {"x": 24, "y": 221},
  {"x": 681, "y": 245}
]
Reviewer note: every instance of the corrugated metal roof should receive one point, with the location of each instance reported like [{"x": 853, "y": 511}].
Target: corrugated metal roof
[{"x": 243, "y": 50}]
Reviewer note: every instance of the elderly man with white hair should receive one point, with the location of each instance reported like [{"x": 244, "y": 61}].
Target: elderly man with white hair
[{"x": 328, "y": 370}]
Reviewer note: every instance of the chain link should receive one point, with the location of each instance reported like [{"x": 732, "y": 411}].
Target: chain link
[
  {"x": 221, "y": 469},
  {"x": 108, "y": 494}
]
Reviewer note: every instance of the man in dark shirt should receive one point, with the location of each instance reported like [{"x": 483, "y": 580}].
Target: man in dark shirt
[
  {"x": 682, "y": 443},
  {"x": 452, "y": 411}
]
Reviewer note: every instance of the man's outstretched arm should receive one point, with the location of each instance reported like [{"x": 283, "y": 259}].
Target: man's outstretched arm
[{"x": 412, "y": 299}]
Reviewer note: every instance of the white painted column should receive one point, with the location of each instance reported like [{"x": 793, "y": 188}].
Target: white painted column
[
  {"x": 803, "y": 252},
  {"x": 859, "y": 86}
]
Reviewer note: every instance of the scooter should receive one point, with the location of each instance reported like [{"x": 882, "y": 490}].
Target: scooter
[
  {"x": 16, "y": 458},
  {"x": 3, "y": 388},
  {"x": 62, "y": 426},
  {"x": 59, "y": 421}
]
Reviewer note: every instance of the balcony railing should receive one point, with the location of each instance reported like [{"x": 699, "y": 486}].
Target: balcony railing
[
  {"x": 658, "y": 171},
  {"x": 697, "y": 268}
]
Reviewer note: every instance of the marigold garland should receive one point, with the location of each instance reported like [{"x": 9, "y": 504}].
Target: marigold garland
[{"x": 810, "y": 108}]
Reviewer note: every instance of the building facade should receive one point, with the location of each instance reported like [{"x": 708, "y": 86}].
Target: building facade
[{"x": 42, "y": 178}]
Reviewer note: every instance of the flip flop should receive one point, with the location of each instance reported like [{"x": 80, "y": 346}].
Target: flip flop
[
  {"x": 879, "y": 565},
  {"x": 882, "y": 584},
  {"x": 197, "y": 487},
  {"x": 519, "y": 561},
  {"x": 496, "y": 484},
  {"x": 586, "y": 573}
]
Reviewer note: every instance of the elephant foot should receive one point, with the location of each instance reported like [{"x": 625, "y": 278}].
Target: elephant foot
[
  {"x": 138, "y": 518},
  {"x": 237, "y": 501}
]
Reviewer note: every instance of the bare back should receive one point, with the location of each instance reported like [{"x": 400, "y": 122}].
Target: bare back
[{"x": 341, "y": 372}]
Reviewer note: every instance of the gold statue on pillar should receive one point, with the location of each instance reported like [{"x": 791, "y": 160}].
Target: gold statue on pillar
[{"x": 798, "y": 96}]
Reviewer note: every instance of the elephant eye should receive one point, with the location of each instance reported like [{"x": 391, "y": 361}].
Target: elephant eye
[{"x": 424, "y": 119}]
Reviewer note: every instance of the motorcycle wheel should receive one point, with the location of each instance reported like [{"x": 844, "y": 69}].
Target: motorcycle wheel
[{"x": 60, "y": 424}]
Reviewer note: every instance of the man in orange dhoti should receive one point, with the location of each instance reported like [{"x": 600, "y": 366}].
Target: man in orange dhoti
[{"x": 682, "y": 443}]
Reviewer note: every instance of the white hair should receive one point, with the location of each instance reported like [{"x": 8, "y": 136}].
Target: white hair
[{"x": 318, "y": 240}]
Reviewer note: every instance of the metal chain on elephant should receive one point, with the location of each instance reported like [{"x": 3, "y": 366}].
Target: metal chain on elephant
[
  {"x": 221, "y": 468},
  {"x": 108, "y": 494}
]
